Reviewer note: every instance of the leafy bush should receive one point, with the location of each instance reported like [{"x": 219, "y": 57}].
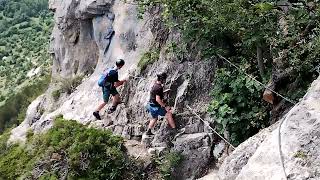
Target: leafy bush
[
  {"x": 90, "y": 154},
  {"x": 168, "y": 163},
  {"x": 148, "y": 58},
  {"x": 237, "y": 106},
  {"x": 3, "y": 141},
  {"x": 56, "y": 94},
  {"x": 23, "y": 49},
  {"x": 13, "y": 109},
  {"x": 268, "y": 40},
  {"x": 69, "y": 85},
  {"x": 66, "y": 85}
]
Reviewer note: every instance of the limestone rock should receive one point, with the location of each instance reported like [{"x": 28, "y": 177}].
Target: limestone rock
[
  {"x": 232, "y": 164},
  {"x": 196, "y": 149},
  {"x": 137, "y": 150},
  {"x": 33, "y": 114},
  {"x": 218, "y": 149},
  {"x": 211, "y": 176},
  {"x": 146, "y": 140}
]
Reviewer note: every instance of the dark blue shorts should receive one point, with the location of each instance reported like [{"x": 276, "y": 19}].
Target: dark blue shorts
[
  {"x": 107, "y": 91},
  {"x": 156, "y": 111}
]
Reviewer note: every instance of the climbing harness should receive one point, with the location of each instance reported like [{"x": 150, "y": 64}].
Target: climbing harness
[{"x": 207, "y": 123}]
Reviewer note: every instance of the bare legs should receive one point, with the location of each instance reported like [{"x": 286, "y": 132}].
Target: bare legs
[
  {"x": 115, "y": 102},
  {"x": 169, "y": 118},
  {"x": 152, "y": 123},
  {"x": 101, "y": 106}
]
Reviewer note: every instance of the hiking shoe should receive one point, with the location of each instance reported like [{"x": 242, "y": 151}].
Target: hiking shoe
[
  {"x": 112, "y": 109},
  {"x": 149, "y": 133},
  {"x": 96, "y": 114}
]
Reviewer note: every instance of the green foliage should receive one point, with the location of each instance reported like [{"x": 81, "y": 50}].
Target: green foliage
[
  {"x": 289, "y": 40},
  {"x": 148, "y": 58},
  {"x": 14, "y": 159},
  {"x": 209, "y": 23},
  {"x": 25, "y": 27},
  {"x": 300, "y": 154},
  {"x": 237, "y": 106},
  {"x": 49, "y": 176},
  {"x": 29, "y": 134},
  {"x": 91, "y": 153},
  {"x": 15, "y": 162},
  {"x": 56, "y": 94},
  {"x": 66, "y": 85},
  {"x": 3, "y": 141},
  {"x": 13, "y": 110},
  {"x": 168, "y": 163}
]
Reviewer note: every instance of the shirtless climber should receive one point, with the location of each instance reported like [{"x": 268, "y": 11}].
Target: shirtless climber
[
  {"x": 156, "y": 107},
  {"x": 109, "y": 82}
]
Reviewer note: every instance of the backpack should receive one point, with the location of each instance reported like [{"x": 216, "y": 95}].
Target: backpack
[{"x": 104, "y": 76}]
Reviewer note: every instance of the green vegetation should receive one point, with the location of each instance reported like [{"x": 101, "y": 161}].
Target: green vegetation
[
  {"x": 148, "y": 58},
  {"x": 13, "y": 110},
  {"x": 168, "y": 163},
  {"x": 269, "y": 41},
  {"x": 300, "y": 154},
  {"x": 56, "y": 94},
  {"x": 88, "y": 153},
  {"x": 236, "y": 105},
  {"x": 3, "y": 141},
  {"x": 25, "y": 27},
  {"x": 66, "y": 85}
]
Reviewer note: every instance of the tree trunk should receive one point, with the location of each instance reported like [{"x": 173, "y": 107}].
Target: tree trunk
[{"x": 260, "y": 61}]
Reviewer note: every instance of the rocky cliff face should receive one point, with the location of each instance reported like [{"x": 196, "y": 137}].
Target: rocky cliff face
[{"x": 89, "y": 35}]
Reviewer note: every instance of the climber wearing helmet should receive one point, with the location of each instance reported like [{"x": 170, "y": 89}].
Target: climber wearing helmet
[
  {"x": 156, "y": 107},
  {"x": 109, "y": 82}
]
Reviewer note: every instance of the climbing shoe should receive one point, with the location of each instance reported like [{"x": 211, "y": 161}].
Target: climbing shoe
[
  {"x": 96, "y": 114},
  {"x": 149, "y": 133},
  {"x": 112, "y": 109}
]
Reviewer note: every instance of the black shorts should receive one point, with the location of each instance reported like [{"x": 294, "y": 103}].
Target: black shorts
[{"x": 107, "y": 91}]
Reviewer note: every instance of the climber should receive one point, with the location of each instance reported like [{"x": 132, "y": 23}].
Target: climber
[
  {"x": 156, "y": 107},
  {"x": 109, "y": 82}
]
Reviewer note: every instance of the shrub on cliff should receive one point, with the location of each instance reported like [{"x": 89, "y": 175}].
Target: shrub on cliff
[{"x": 68, "y": 149}]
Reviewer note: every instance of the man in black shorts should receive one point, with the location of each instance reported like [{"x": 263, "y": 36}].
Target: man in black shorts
[
  {"x": 156, "y": 107},
  {"x": 111, "y": 82}
]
